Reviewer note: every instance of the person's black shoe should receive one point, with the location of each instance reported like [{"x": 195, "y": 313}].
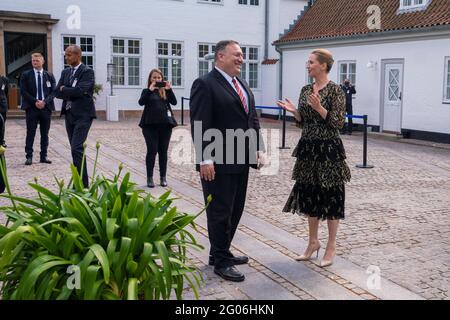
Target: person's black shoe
[
  {"x": 163, "y": 182},
  {"x": 150, "y": 182},
  {"x": 236, "y": 260},
  {"x": 29, "y": 161},
  {"x": 230, "y": 274},
  {"x": 45, "y": 160}
]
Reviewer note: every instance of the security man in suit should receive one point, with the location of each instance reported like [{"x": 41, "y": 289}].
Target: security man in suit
[
  {"x": 76, "y": 89},
  {"x": 349, "y": 90},
  {"x": 36, "y": 88},
  {"x": 4, "y": 83},
  {"x": 222, "y": 102}
]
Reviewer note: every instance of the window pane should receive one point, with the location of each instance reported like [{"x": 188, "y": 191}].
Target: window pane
[
  {"x": 176, "y": 49},
  {"x": 133, "y": 46},
  {"x": 253, "y": 54},
  {"x": 244, "y": 52},
  {"x": 133, "y": 71},
  {"x": 203, "y": 68},
  {"x": 203, "y": 49},
  {"x": 344, "y": 69},
  {"x": 176, "y": 72},
  {"x": 68, "y": 41},
  {"x": 352, "y": 68},
  {"x": 163, "y": 65},
  {"x": 244, "y": 71},
  {"x": 448, "y": 93},
  {"x": 86, "y": 45},
  {"x": 119, "y": 75},
  {"x": 163, "y": 48},
  {"x": 88, "y": 60},
  {"x": 118, "y": 46},
  {"x": 253, "y": 75}
]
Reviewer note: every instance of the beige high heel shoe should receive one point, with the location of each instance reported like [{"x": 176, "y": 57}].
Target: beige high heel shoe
[
  {"x": 326, "y": 263},
  {"x": 304, "y": 257}
]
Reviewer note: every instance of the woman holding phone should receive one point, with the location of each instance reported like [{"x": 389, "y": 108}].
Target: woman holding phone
[
  {"x": 320, "y": 171},
  {"x": 157, "y": 122}
]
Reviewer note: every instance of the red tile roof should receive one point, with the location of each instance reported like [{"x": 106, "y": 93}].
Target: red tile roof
[
  {"x": 270, "y": 61},
  {"x": 343, "y": 18}
]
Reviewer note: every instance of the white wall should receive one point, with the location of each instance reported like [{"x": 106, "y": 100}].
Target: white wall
[
  {"x": 423, "y": 107},
  {"x": 188, "y": 21}
]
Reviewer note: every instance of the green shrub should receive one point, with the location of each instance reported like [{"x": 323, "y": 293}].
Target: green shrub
[{"x": 108, "y": 241}]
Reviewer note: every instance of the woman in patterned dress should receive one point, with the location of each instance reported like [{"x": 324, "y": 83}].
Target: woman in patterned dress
[{"x": 320, "y": 170}]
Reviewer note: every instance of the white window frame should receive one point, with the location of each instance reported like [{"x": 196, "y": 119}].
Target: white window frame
[
  {"x": 126, "y": 56},
  {"x": 247, "y": 61},
  {"x": 211, "y": 47},
  {"x": 171, "y": 57},
  {"x": 249, "y": 3},
  {"x": 347, "y": 62},
  {"x": 446, "y": 99},
  {"x": 413, "y": 4},
  {"x": 78, "y": 43}
]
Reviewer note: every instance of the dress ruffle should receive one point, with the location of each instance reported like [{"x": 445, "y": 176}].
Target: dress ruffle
[{"x": 316, "y": 201}]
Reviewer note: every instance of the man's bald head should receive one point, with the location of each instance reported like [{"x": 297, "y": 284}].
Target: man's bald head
[{"x": 73, "y": 55}]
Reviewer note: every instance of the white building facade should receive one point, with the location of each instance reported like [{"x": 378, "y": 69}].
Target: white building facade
[
  {"x": 140, "y": 35},
  {"x": 401, "y": 75}
]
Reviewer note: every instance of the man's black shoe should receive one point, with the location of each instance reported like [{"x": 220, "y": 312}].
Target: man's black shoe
[
  {"x": 235, "y": 260},
  {"x": 29, "y": 161},
  {"x": 230, "y": 274},
  {"x": 45, "y": 160}
]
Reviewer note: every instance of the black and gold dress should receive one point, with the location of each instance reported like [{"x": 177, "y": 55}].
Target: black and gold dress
[{"x": 320, "y": 171}]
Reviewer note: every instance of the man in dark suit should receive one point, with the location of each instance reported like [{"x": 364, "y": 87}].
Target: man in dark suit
[
  {"x": 36, "y": 88},
  {"x": 76, "y": 88},
  {"x": 349, "y": 90},
  {"x": 222, "y": 103},
  {"x": 4, "y": 83}
]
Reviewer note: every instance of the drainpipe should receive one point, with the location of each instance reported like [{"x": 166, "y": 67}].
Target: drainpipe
[
  {"x": 266, "y": 30},
  {"x": 280, "y": 76}
]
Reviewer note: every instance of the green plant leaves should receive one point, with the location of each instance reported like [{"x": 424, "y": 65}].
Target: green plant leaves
[{"x": 112, "y": 240}]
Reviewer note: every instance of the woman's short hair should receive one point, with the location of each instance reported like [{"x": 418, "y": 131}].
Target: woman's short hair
[{"x": 324, "y": 56}]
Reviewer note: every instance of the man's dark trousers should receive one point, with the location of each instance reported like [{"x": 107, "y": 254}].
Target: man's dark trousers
[
  {"x": 35, "y": 116},
  {"x": 224, "y": 213},
  {"x": 77, "y": 132}
]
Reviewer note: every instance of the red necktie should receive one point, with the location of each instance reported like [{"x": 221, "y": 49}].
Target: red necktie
[{"x": 241, "y": 94}]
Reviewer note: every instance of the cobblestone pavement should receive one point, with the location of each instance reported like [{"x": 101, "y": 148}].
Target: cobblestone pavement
[{"x": 396, "y": 213}]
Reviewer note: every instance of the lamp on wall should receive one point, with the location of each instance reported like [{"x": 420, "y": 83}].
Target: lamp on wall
[
  {"x": 209, "y": 56},
  {"x": 372, "y": 64},
  {"x": 110, "y": 67}
]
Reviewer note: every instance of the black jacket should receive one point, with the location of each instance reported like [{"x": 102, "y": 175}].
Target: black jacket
[
  {"x": 155, "y": 107},
  {"x": 3, "y": 94},
  {"x": 216, "y": 104},
  {"x": 349, "y": 92},
  {"x": 28, "y": 89},
  {"x": 80, "y": 91}
]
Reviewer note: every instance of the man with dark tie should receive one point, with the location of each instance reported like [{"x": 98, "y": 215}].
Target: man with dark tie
[
  {"x": 36, "y": 88},
  {"x": 222, "y": 103},
  {"x": 76, "y": 89}
]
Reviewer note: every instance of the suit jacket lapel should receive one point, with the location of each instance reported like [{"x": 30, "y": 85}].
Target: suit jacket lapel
[
  {"x": 230, "y": 89},
  {"x": 33, "y": 83}
]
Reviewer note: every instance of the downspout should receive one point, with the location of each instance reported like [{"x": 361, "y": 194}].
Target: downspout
[
  {"x": 280, "y": 77},
  {"x": 266, "y": 30}
]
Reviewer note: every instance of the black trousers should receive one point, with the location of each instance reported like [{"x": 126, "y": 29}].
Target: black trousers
[
  {"x": 157, "y": 138},
  {"x": 35, "y": 117},
  {"x": 228, "y": 193},
  {"x": 77, "y": 132}
]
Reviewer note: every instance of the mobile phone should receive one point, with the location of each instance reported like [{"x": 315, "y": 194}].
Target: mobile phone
[{"x": 160, "y": 84}]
